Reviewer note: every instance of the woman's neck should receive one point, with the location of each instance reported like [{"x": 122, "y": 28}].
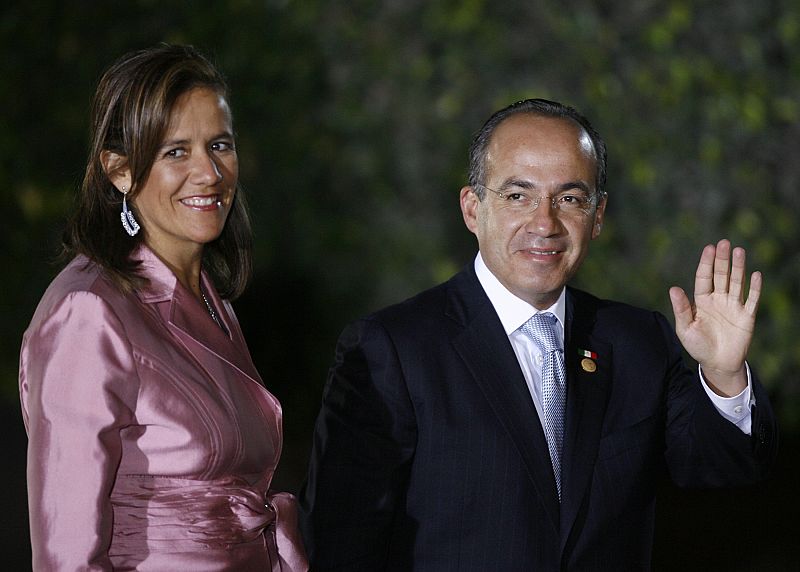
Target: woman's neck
[{"x": 185, "y": 265}]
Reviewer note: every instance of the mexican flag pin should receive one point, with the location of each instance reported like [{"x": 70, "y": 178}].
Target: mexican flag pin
[{"x": 587, "y": 363}]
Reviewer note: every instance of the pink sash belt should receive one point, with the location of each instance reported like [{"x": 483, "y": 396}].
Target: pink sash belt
[{"x": 154, "y": 514}]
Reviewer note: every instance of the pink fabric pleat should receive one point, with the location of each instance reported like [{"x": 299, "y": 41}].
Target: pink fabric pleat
[
  {"x": 291, "y": 555},
  {"x": 160, "y": 514}
]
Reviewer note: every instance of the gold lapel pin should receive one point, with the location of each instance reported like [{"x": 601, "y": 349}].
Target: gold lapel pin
[{"x": 587, "y": 363}]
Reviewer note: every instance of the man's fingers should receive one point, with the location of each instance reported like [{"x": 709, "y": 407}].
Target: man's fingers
[
  {"x": 703, "y": 278},
  {"x": 722, "y": 261},
  {"x": 755, "y": 293},
  {"x": 737, "y": 273},
  {"x": 681, "y": 308}
]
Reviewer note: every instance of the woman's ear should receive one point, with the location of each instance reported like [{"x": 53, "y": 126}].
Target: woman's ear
[{"x": 116, "y": 169}]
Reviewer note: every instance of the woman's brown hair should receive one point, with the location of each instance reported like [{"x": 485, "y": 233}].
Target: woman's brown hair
[{"x": 130, "y": 115}]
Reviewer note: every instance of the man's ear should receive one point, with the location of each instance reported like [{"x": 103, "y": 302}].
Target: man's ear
[
  {"x": 116, "y": 169},
  {"x": 469, "y": 208},
  {"x": 599, "y": 216}
]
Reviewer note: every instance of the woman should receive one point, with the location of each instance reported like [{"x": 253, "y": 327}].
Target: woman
[{"x": 152, "y": 440}]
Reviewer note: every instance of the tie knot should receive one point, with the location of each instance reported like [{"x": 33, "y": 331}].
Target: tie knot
[{"x": 541, "y": 329}]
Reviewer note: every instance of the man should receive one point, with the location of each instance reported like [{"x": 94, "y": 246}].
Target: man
[{"x": 504, "y": 421}]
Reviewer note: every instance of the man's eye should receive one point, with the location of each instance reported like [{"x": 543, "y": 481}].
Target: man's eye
[
  {"x": 516, "y": 197},
  {"x": 572, "y": 200}
]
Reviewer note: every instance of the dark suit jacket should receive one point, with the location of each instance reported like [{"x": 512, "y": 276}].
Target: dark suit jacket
[{"x": 429, "y": 454}]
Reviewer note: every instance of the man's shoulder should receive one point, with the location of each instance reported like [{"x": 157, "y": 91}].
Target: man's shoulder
[
  {"x": 450, "y": 300},
  {"x": 427, "y": 300},
  {"x": 583, "y": 299},
  {"x": 613, "y": 314}
]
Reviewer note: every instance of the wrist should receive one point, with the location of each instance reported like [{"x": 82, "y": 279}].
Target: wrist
[{"x": 725, "y": 383}]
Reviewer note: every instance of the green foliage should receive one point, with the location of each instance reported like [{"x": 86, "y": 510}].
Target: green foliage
[{"x": 353, "y": 120}]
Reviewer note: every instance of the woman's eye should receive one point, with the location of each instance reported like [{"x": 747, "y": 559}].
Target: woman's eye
[
  {"x": 222, "y": 146},
  {"x": 178, "y": 152}
]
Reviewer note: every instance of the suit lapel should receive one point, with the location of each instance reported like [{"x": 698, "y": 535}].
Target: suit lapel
[
  {"x": 189, "y": 321},
  {"x": 587, "y": 397},
  {"x": 487, "y": 353}
]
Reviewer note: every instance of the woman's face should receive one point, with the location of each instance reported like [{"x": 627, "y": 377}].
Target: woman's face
[{"x": 188, "y": 194}]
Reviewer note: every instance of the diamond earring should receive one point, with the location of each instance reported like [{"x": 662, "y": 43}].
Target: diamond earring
[{"x": 128, "y": 222}]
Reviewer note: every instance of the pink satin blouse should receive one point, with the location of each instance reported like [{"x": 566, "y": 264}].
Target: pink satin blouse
[{"x": 152, "y": 440}]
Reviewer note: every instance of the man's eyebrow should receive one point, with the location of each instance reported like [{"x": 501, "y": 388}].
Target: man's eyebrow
[
  {"x": 582, "y": 185},
  {"x": 530, "y": 185},
  {"x": 513, "y": 182}
]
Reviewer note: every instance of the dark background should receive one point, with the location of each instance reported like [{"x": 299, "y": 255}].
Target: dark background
[{"x": 353, "y": 119}]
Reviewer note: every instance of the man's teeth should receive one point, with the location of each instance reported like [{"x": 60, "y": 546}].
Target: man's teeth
[
  {"x": 200, "y": 201},
  {"x": 543, "y": 252}
]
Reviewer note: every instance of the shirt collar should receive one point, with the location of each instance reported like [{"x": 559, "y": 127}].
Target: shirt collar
[{"x": 513, "y": 311}]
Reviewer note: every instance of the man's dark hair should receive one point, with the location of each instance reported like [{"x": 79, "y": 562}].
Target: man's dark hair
[{"x": 480, "y": 143}]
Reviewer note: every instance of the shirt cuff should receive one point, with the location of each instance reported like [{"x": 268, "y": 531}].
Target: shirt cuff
[{"x": 735, "y": 409}]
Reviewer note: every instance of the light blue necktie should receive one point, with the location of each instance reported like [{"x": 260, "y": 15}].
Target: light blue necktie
[{"x": 541, "y": 329}]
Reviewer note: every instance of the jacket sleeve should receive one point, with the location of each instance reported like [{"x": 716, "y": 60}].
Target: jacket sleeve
[
  {"x": 364, "y": 441},
  {"x": 77, "y": 386},
  {"x": 703, "y": 449}
]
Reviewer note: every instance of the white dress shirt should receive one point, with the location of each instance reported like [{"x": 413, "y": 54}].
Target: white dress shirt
[{"x": 514, "y": 312}]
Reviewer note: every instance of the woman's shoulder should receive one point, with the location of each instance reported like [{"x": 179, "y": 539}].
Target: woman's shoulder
[
  {"x": 80, "y": 274},
  {"x": 83, "y": 275},
  {"x": 82, "y": 281}
]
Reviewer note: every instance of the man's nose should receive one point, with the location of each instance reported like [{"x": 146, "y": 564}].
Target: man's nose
[{"x": 542, "y": 219}]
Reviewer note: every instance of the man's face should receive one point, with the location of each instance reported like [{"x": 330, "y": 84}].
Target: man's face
[{"x": 534, "y": 252}]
